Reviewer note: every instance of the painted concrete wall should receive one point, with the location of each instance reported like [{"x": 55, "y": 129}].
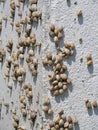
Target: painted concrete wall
[{"x": 84, "y": 80}]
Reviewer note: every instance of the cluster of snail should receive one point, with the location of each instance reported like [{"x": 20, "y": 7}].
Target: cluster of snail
[
  {"x": 61, "y": 122},
  {"x": 59, "y": 83},
  {"x": 89, "y": 60},
  {"x": 33, "y": 115},
  {"x": 20, "y": 53},
  {"x": 22, "y": 100},
  {"x": 24, "y": 107},
  {"x": 9, "y": 45},
  {"x": 68, "y": 49},
  {"x": 27, "y": 41},
  {"x": 58, "y": 79},
  {"x": 13, "y": 7},
  {"x": 32, "y": 62},
  {"x": 34, "y": 14},
  {"x": 49, "y": 59},
  {"x": 15, "y": 56},
  {"x": 16, "y": 124},
  {"x": 32, "y": 112},
  {"x": 12, "y": 60},
  {"x": 56, "y": 33},
  {"x": 18, "y": 73},
  {"x": 15, "y": 120},
  {"x": 89, "y": 104},
  {"x": 18, "y": 28},
  {"x": 2, "y": 54},
  {"x": 28, "y": 90},
  {"x": 46, "y": 106}
]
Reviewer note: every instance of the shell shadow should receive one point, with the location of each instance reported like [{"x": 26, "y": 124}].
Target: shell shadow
[
  {"x": 49, "y": 116},
  {"x": 15, "y": 84},
  {"x": 35, "y": 79},
  {"x": 96, "y": 111},
  {"x": 90, "y": 112},
  {"x": 81, "y": 41},
  {"x": 30, "y": 101},
  {"x": 60, "y": 43},
  {"x": 10, "y": 92},
  {"x": 5, "y": 23},
  {"x": 7, "y": 110},
  {"x": 91, "y": 69},
  {"x": 49, "y": 68},
  {"x": 68, "y": 3},
  {"x": 0, "y": 110},
  {"x": 3, "y": 61},
  {"x": 76, "y": 127},
  {"x": 25, "y": 118},
  {"x": 80, "y": 19},
  {"x": 21, "y": 62},
  {"x": 35, "y": 25}
]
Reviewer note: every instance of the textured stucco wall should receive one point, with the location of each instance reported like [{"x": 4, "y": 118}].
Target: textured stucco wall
[{"x": 84, "y": 81}]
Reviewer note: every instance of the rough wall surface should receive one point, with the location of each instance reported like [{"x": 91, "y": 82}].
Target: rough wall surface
[{"x": 84, "y": 80}]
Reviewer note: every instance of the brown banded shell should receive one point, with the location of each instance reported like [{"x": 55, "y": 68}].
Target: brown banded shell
[
  {"x": 90, "y": 62},
  {"x": 15, "y": 125},
  {"x": 52, "y": 27},
  {"x": 60, "y": 28},
  {"x": 88, "y": 56},
  {"x": 74, "y": 120},
  {"x": 88, "y": 105},
  {"x": 56, "y": 39},
  {"x": 61, "y": 91},
  {"x": 45, "y": 108},
  {"x": 69, "y": 119},
  {"x": 86, "y": 100},
  {"x": 59, "y": 58},
  {"x": 60, "y": 35},
  {"x": 61, "y": 112},
  {"x": 61, "y": 122},
  {"x": 47, "y": 100},
  {"x": 79, "y": 12},
  {"x": 16, "y": 118},
  {"x": 66, "y": 124},
  {"x": 50, "y": 111},
  {"x": 56, "y": 92},
  {"x": 94, "y": 104}
]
